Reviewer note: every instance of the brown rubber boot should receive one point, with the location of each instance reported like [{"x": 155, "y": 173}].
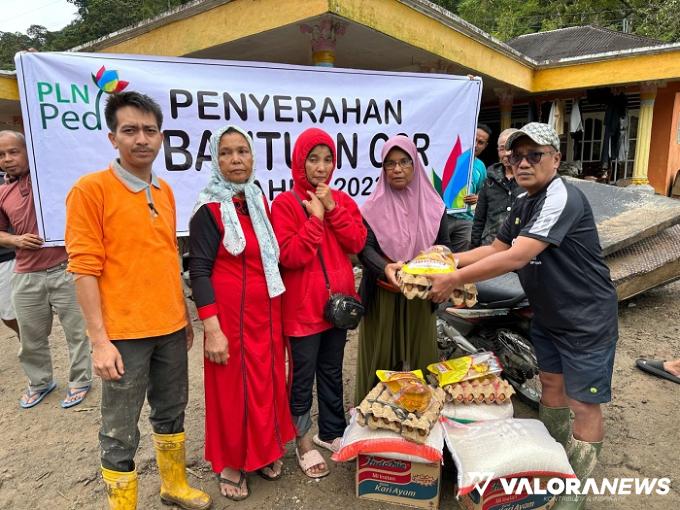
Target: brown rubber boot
[
  {"x": 558, "y": 422},
  {"x": 583, "y": 457}
]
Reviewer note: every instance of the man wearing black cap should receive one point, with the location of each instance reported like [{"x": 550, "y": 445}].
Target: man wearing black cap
[{"x": 550, "y": 239}]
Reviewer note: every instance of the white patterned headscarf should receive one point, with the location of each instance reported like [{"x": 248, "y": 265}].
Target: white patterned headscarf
[{"x": 222, "y": 191}]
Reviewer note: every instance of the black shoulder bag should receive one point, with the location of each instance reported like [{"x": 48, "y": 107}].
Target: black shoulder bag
[{"x": 341, "y": 310}]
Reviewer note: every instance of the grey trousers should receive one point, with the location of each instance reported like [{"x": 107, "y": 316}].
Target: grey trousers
[
  {"x": 460, "y": 233},
  {"x": 34, "y": 295},
  {"x": 156, "y": 368}
]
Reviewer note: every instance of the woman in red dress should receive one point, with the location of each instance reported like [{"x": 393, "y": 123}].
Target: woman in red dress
[{"x": 237, "y": 287}]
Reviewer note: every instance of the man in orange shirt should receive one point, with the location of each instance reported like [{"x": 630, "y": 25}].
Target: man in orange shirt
[{"x": 120, "y": 237}]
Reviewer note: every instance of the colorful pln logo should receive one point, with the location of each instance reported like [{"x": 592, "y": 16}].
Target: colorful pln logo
[
  {"x": 452, "y": 185},
  {"x": 108, "y": 81}
]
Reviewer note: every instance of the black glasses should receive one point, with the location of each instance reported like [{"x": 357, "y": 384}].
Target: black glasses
[
  {"x": 403, "y": 163},
  {"x": 533, "y": 157}
]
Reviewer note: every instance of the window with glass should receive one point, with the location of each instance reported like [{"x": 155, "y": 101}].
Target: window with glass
[{"x": 623, "y": 166}]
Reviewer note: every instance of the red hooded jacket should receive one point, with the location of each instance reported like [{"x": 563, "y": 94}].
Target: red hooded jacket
[{"x": 341, "y": 232}]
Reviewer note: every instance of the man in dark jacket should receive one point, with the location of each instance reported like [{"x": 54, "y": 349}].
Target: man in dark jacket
[{"x": 496, "y": 196}]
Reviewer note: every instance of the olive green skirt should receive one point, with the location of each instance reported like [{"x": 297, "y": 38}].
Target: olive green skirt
[{"x": 396, "y": 333}]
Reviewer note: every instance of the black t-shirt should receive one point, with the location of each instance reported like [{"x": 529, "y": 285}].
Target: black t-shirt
[{"x": 568, "y": 283}]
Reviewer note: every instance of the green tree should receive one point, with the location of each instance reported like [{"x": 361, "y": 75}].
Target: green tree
[
  {"x": 506, "y": 19},
  {"x": 449, "y": 5},
  {"x": 659, "y": 20},
  {"x": 510, "y": 18},
  {"x": 11, "y": 42},
  {"x": 95, "y": 19}
]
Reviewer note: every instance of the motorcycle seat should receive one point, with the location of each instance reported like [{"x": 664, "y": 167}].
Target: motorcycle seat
[{"x": 504, "y": 291}]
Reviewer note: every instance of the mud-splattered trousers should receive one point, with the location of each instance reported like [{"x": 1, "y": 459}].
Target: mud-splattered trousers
[{"x": 156, "y": 368}]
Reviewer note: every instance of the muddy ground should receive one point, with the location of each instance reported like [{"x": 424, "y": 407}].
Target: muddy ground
[{"x": 49, "y": 456}]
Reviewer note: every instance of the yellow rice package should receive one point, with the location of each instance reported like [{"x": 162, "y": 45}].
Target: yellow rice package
[
  {"x": 409, "y": 390},
  {"x": 465, "y": 368},
  {"x": 413, "y": 281},
  {"x": 435, "y": 260}
]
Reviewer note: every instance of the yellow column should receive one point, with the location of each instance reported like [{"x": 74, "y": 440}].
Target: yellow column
[
  {"x": 505, "y": 98},
  {"x": 324, "y": 35},
  {"x": 644, "y": 133}
]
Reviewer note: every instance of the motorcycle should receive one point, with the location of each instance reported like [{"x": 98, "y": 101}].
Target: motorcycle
[{"x": 499, "y": 322}]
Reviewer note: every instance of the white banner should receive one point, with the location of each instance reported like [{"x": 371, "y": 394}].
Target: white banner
[{"x": 63, "y": 97}]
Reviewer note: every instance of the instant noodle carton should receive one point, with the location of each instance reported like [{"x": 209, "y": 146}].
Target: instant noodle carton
[
  {"x": 399, "y": 482},
  {"x": 494, "y": 498}
]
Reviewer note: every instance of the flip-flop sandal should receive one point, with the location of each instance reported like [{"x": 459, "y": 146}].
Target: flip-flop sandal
[
  {"x": 270, "y": 478},
  {"x": 238, "y": 485},
  {"x": 41, "y": 395},
  {"x": 333, "y": 446},
  {"x": 309, "y": 460},
  {"x": 74, "y": 391},
  {"x": 655, "y": 367}
]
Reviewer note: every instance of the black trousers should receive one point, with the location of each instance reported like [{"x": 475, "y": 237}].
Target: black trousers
[
  {"x": 155, "y": 368},
  {"x": 319, "y": 356}
]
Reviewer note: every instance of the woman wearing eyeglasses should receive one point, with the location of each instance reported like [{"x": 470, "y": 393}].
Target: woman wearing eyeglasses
[{"x": 404, "y": 216}]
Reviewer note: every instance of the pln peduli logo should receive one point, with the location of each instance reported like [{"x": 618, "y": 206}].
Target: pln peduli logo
[{"x": 62, "y": 104}]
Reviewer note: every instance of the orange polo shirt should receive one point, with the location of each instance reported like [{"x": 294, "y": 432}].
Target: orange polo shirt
[{"x": 114, "y": 234}]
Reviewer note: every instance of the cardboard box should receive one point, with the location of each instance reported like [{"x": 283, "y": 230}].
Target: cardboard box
[
  {"x": 398, "y": 481},
  {"x": 494, "y": 498}
]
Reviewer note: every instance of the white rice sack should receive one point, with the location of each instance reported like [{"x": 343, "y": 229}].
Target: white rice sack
[
  {"x": 358, "y": 439},
  {"x": 504, "y": 449},
  {"x": 478, "y": 412}
]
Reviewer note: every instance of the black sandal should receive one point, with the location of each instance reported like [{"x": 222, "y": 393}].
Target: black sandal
[
  {"x": 238, "y": 485},
  {"x": 269, "y": 477}
]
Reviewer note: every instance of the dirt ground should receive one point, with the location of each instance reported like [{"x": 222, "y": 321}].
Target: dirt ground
[{"x": 49, "y": 456}]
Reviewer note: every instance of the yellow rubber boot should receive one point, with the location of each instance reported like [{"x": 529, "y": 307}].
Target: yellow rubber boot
[
  {"x": 121, "y": 488},
  {"x": 175, "y": 490}
]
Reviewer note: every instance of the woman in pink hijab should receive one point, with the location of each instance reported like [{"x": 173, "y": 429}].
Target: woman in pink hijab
[{"x": 404, "y": 216}]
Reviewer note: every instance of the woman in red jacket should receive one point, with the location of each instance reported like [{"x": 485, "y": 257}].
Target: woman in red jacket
[{"x": 312, "y": 223}]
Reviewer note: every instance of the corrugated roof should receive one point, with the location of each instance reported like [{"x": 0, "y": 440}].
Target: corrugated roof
[{"x": 576, "y": 42}]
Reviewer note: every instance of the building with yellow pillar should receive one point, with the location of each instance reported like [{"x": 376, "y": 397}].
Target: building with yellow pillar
[{"x": 592, "y": 67}]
